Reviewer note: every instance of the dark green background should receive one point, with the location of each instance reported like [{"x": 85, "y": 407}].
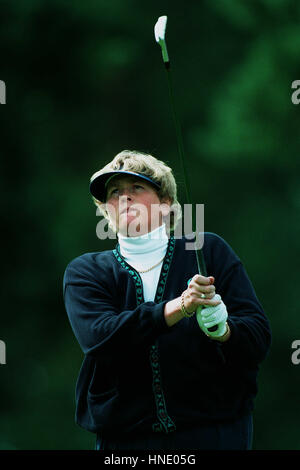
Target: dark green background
[{"x": 84, "y": 81}]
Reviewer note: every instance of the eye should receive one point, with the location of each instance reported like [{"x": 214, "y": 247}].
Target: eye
[
  {"x": 138, "y": 186},
  {"x": 113, "y": 192}
]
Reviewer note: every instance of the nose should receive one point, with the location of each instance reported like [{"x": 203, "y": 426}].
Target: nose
[
  {"x": 124, "y": 194},
  {"x": 124, "y": 201}
]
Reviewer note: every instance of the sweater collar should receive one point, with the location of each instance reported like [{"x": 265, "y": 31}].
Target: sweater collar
[{"x": 147, "y": 243}]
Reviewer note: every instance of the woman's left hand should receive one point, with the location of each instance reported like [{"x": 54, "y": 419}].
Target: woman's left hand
[{"x": 212, "y": 316}]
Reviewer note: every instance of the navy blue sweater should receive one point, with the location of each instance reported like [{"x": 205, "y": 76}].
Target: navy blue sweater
[{"x": 138, "y": 374}]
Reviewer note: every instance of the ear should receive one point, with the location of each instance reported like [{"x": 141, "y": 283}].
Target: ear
[{"x": 165, "y": 205}]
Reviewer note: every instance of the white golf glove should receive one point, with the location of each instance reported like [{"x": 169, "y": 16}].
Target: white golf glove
[{"x": 211, "y": 316}]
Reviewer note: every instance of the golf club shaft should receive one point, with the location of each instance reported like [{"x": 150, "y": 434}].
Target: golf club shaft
[{"x": 199, "y": 254}]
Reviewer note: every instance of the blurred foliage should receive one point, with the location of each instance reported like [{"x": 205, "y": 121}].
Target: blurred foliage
[{"x": 84, "y": 81}]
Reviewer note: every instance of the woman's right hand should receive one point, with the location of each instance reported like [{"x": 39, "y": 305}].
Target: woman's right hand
[{"x": 197, "y": 288}]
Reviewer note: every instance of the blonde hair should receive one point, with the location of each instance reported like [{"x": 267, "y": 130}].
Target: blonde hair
[{"x": 148, "y": 165}]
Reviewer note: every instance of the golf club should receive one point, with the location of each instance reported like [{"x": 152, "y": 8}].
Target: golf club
[{"x": 159, "y": 33}]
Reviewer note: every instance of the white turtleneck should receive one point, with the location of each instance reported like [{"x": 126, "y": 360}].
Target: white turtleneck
[{"x": 142, "y": 253}]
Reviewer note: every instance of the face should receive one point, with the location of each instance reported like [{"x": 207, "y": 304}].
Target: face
[{"x": 133, "y": 205}]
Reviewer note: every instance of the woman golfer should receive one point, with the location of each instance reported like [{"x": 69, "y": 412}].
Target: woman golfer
[{"x": 155, "y": 375}]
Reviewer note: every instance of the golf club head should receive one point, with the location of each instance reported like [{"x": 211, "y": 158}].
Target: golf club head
[
  {"x": 159, "y": 33},
  {"x": 160, "y": 28}
]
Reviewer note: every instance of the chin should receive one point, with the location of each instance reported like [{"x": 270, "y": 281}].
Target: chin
[{"x": 134, "y": 230}]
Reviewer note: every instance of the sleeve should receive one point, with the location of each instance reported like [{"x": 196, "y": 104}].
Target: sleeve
[
  {"x": 250, "y": 338},
  {"x": 98, "y": 324}
]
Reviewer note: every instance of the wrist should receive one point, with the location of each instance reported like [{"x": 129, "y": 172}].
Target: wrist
[
  {"x": 184, "y": 312},
  {"x": 172, "y": 311},
  {"x": 224, "y": 337}
]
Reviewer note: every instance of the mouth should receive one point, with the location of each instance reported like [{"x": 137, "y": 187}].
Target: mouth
[
  {"x": 129, "y": 210},
  {"x": 126, "y": 209}
]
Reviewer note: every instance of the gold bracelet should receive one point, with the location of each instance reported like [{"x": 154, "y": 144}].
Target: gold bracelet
[{"x": 182, "y": 307}]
